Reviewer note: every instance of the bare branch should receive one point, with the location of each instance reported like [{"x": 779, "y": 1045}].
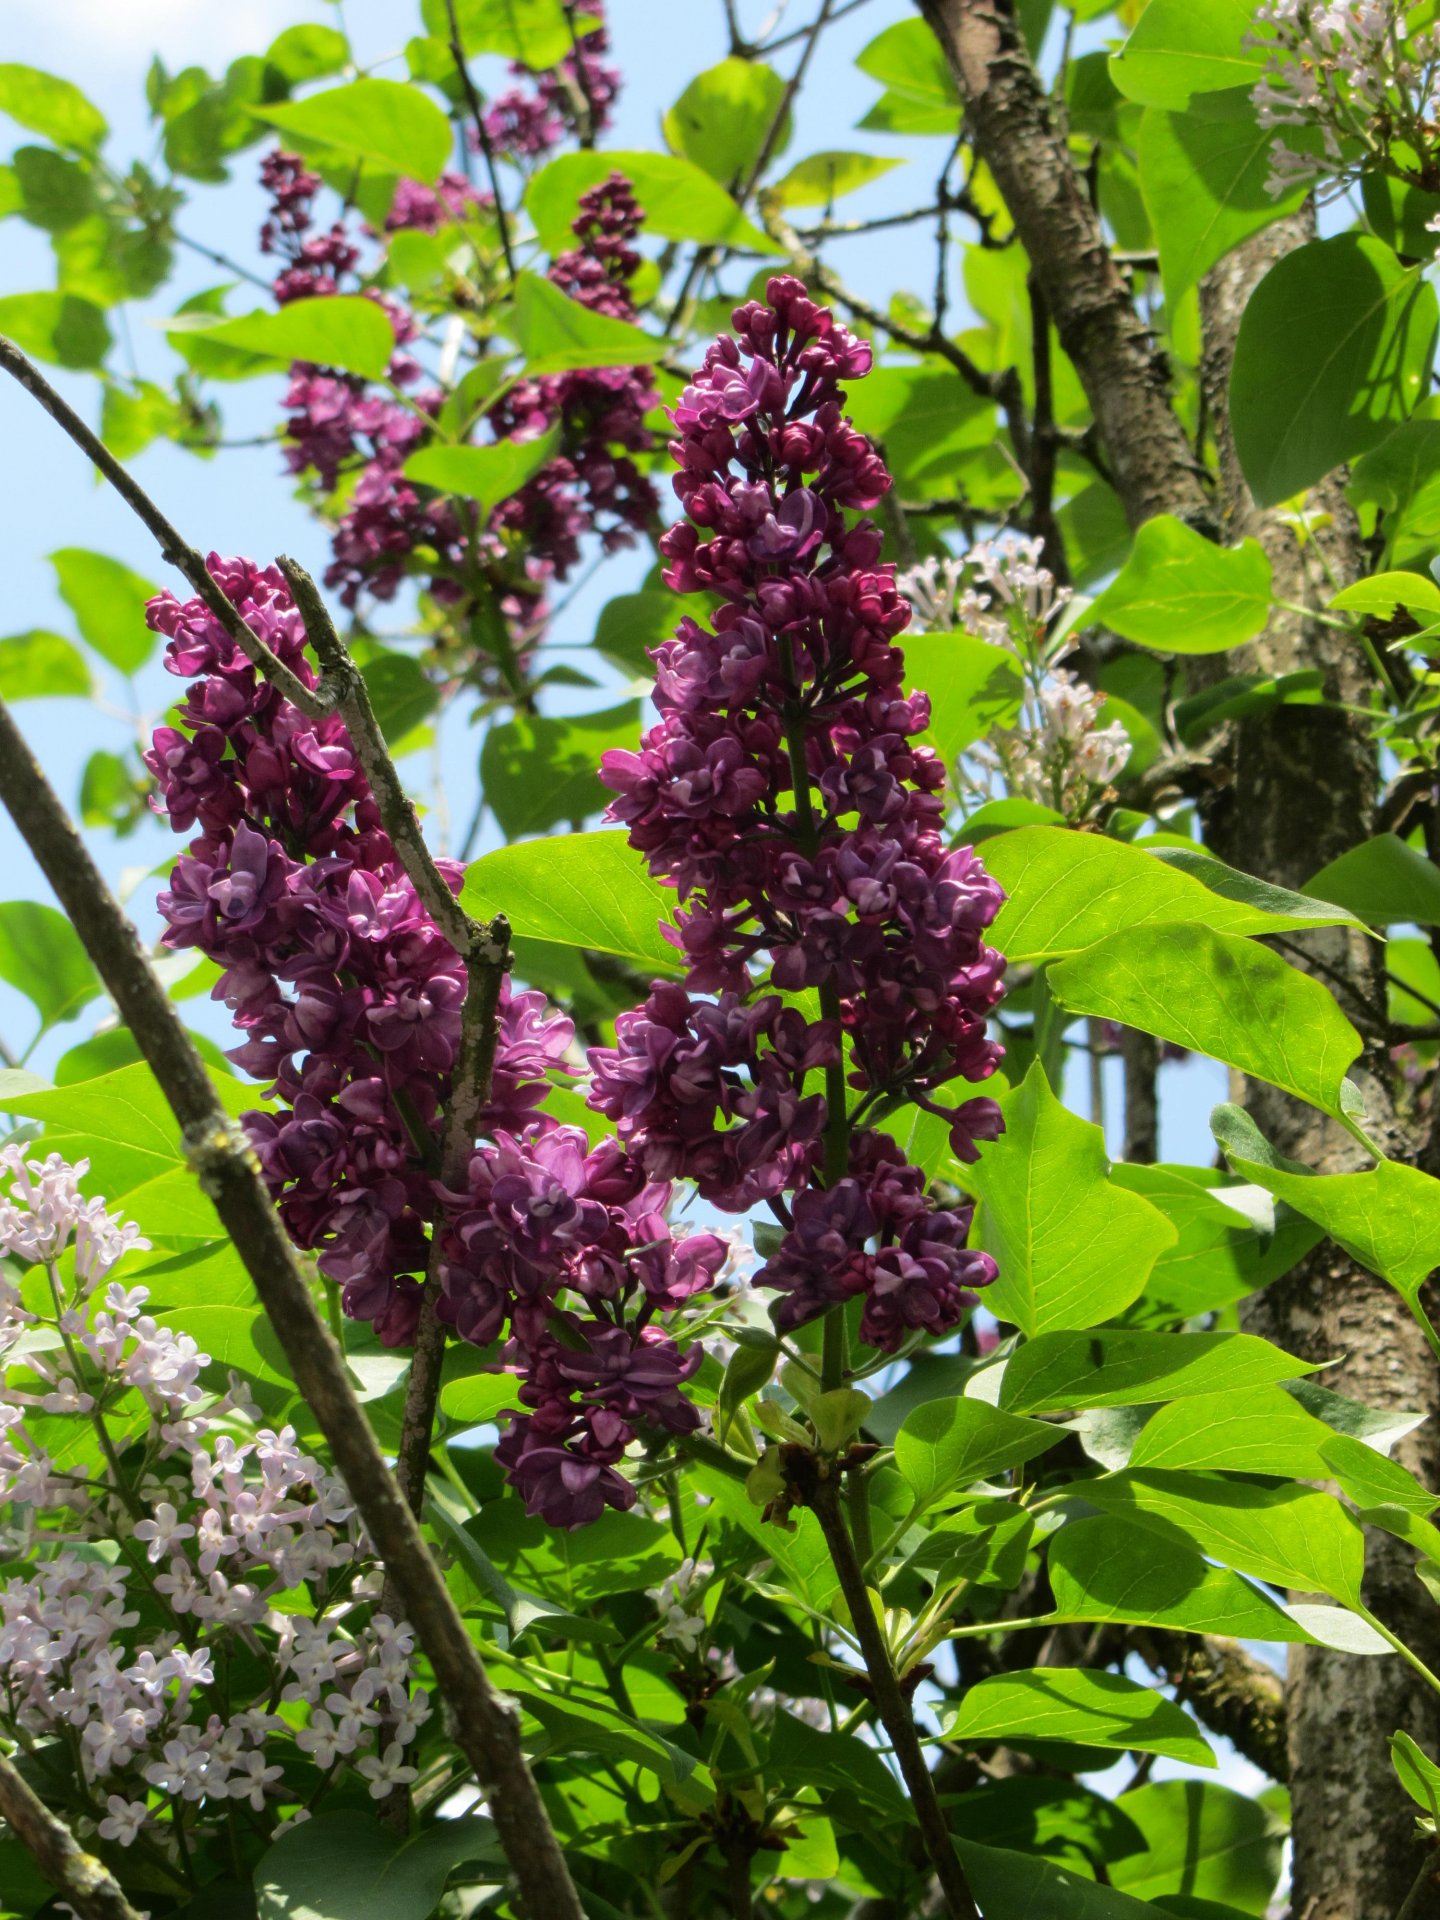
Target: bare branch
[{"x": 78, "y": 1875}]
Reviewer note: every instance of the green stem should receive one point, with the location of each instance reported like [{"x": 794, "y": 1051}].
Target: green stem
[{"x": 1411, "y": 1659}]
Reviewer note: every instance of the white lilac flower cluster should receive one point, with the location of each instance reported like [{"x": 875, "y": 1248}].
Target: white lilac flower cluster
[
  {"x": 246, "y": 1548},
  {"x": 1057, "y": 753},
  {"x": 1354, "y": 82}
]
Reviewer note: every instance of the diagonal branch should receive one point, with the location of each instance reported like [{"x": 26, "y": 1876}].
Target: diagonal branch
[
  {"x": 1013, "y": 126},
  {"x": 172, "y": 548},
  {"x": 486, "y": 1725},
  {"x": 78, "y": 1875}
]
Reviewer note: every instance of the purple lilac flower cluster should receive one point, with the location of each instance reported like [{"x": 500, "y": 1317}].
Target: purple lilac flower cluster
[
  {"x": 337, "y": 422},
  {"x": 335, "y": 419},
  {"x": 784, "y": 796},
  {"x": 531, "y": 119},
  {"x": 594, "y": 484},
  {"x": 350, "y": 1001}
]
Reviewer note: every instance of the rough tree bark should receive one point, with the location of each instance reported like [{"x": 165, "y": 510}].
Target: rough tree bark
[
  {"x": 1014, "y": 126},
  {"x": 1302, "y": 786},
  {"x": 1299, "y": 785}
]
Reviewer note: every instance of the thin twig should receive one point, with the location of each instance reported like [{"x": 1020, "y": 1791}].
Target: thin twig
[
  {"x": 172, "y": 548},
  {"x": 817, "y": 274},
  {"x": 482, "y": 134},
  {"x": 798, "y": 33},
  {"x": 221, "y": 260},
  {"x": 79, "y": 1876},
  {"x": 787, "y": 99},
  {"x": 824, "y": 1500},
  {"x": 486, "y": 1725}
]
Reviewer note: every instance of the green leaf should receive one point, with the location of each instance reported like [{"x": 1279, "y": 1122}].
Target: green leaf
[
  {"x": 538, "y": 773},
  {"x": 953, "y": 1443},
  {"x": 1201, "y": 1839},
  {"x": 973, "y": 688},
  {"x": 1333, "y": 352},
  {"x": 110, "y": 794},
  {"x": 108, "y": 601},
  {"x": 931, "y": 427},
  {"x": 1070, "y": 890},
  {"x": 522, "y": 1610},
  {"x": 1383, "y": 881},
  {"x": 122, "y": 1123},
  {"x": 1076, "y": 1704},
  {"x": 722, "y": 119},
  {"x": 585, "y": 890},
  {"x": 231, "y": 1336},
  {"x": 308, "y": 52},
  {"x": 1384, "y": 593},
  {"x": 1222, "y": 1252},
  {"x": 1371, "y": 1480},
  {"x": 51, "y": 106},
  {"x": 556, "y": 334},
  {"x": 344, "y": 331},
  {"x": 344, "y": 1866},
  {"x": 632, "y": 623},
  {"x": 534, "y": 32},
  {"x": 1288, "y": 1536},
  {"x": 393, "y": 126},
  {"x": 1229, "y": 999},
  {"x": 475, "y": 1400},
  {"x": 824, "y": 177},
  {"x": 746, "y": 1371},
  {"x": 39, "y": 666},
  {"x": 1203, "y": 175},
  {"x": 1021, "y": 1886},
  {"x": 681, "y": 202},
  {"x": 1108, "y": 1569},
  {"x": 1116, "y": 1369},
  {"x": 1262, "y": 1430},
  {"x": 56, "y": 193},
  {"x": 1180, "y": 593},
  {"x": 1262, "y": 895},
  {"x": 59, "y": 328},
  {"x": 909, "y": 60},
  {"x": 1387, "y": 1218},
  {"x": 401, "y": 692},
  {"x": 41, "y": 957},
  {"x": 1417, "y": 1772},
  {"x": 1072, "y": 1247},
  {"x": 1181, "y": 48},
  {"x": 488, "y": 474}
]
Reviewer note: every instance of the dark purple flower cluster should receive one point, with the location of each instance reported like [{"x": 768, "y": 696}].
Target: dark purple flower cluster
[
  {"x": 594, "y": 484},
  {"x": 531, "y": 119},
  {"x": 784, "y": 796},
  {"x": 544, "y": 1213},
  {"x": 336, "y": 421},
  {"x": 349, "y": 999}
]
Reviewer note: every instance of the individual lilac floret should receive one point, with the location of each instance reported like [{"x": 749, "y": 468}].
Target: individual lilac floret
[{"x": 785, "y": 796}]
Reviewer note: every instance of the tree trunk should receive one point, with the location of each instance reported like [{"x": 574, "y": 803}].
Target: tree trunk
[{"x": 1302, "y": 788}]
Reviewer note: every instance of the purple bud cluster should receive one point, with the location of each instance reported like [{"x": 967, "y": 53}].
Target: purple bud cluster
[
  {"x": 349, "y": 1000},
  {"x": 785, "y": 797},
  {"x": 531, "y": 119}
]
